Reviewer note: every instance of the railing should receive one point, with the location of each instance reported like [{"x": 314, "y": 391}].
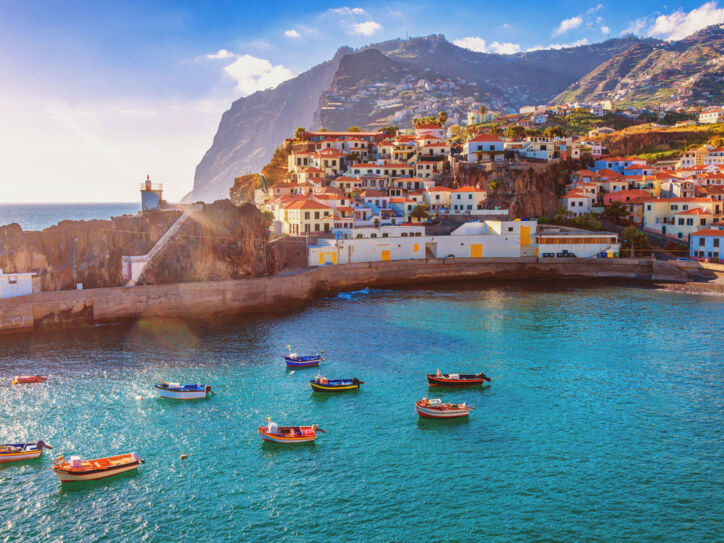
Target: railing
[{"x": 151, "y": 186}]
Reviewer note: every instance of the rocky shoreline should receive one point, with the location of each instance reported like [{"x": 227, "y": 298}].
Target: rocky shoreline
[{"x": 706, "y": 289}]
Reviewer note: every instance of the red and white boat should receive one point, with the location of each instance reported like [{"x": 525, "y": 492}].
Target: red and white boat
[
  {"x": 436, "y": 409},
  {"x": 288, "y": 435},
  {"x": 76, "y": 469},
  {"x": 25, "y": 379}
]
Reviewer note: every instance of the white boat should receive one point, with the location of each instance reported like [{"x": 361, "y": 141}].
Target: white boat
[
  {"x": 178, "y": 391},
  {"x": 12, "y": 452},
  {"x": 76, "y": 469},
  {"x": 435, "y": 409}
]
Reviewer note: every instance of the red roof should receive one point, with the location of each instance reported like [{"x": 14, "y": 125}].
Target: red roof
[
  {"x": 708, "y": 232},
  {"x": 440, "y": 189},
  {"x": 485, "y": 137},
  {"x": 606, "y": 172},
  {"x": 695, "y": 211},
  {"x": 468, "y": 188},
  {"x": 306, "y": 204}
]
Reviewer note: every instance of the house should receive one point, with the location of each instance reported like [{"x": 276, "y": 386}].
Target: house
[
  {"x": 679, "y": 217},
  {"x": 577, "y": 202},
  {"x": 616, "y": 164},
  {"x": 438, "y": 198},
  {"x": 484, "y": 148},
  {"x": 430, "y": 129},
  {"x": 18, "y": 284},
  {"x": 427, "y": 169},
  {"x": 347, "y": 185},
  {"x": 563, "y": 244},
  {"x": 305, "y": 216},
  {"x": 712, "y": 116},
  {"x": 707, "y": 243},
  {"x": 383, "y": 168},
  {"x": 467, "y": 200},
  {"x": 634, "y": 199}
]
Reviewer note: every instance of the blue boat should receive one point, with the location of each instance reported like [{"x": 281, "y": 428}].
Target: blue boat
[
  {"x": 295, "y": 361},
  {"x": 178, "y": 391}
]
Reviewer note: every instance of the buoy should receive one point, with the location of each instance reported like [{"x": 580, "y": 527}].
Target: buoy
[
  {"x": 292, "y": 372},
  {"x": 14, "y": 382},
  {"x": 184, "y": 456},
  {"x": 139, "y": 397}
]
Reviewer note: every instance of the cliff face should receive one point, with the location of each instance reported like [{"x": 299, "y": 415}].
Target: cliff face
[
  {"x": 221, "y": 241},
  {"x": 629, "y": 142},
  {"x": 526, "y": 192},
  {"x": 275, "y": 172},
  {"x": 99, "y": 247},
  {"x": 254, "y": 125}
]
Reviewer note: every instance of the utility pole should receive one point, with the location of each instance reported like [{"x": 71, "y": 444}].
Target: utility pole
[{"x": 74, "y": 275}]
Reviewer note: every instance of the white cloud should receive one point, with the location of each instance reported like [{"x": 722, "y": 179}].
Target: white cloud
[
  {"x": 254, "y": 74},
  {"x": 506, "y": 26},
  {"x": 221, "y": 53},
  {"x": 680, "y": 24},
  {"x": 479, "y": 45},
  {"x": 638, "y": 26},
  {"x": 366, "y": 29},
  {"x": 292, "y": 33},
  {"x": 568, "y": 24},
  {"x": 605, "y": 30},
  {"x": 347, "y": 11},
  {"x": 577, "y": 43},
  {"x": 594, "y": 9}
]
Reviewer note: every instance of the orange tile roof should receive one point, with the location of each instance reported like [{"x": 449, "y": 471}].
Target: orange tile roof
[
  {"x": 708, "y": 232},
  {"x": 695, "y": 211},
  {"x": 306, "y": 204},
  {"x": 468, "y": 188}
]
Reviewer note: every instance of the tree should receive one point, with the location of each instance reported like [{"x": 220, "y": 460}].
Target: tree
[
  {"x": 632, "y": 237},
  {"x": 442, "y": 117},
  {"x": 482, "y": 109},
  {"x": 515, "y": 132},
  {"x": 268, "y": 216},
  {"x": 353, "y": 157},
  {"x": 377, "y": 222},
  {"x": 354, "y": 129},
  {"x": 533, "y": 132},
  {"x": 323, "y": 130},
  {"x": 615, "y": 211},
  {"x": 420, "y": 212},
  {"x": 554, "y": 132},
  {"x": 299, "y": 133},
  {"x": 389, "y": 130}
]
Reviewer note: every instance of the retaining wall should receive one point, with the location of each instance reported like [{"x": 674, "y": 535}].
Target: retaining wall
[{"x": 209, "y": 299}]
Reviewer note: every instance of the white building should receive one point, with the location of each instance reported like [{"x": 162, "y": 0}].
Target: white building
[
  {"x": 18, "y": 284},
  {"x": 577, "y": 202},
  {"x": 567, "y": 244},
  {"x": 484, "y": 148},
  {"x": 712, "y": 116}
]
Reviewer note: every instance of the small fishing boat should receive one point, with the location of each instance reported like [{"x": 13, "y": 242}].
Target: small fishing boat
[
  {"x": 288, "y": 435},
  {"x": 435, "y": 409},
  {"x": 92, "y": 470},
  {"x": 26, "y": 379},
  {"x": 13, "y": 452},
  {"x": 322, "y": 384},
  {"x": 457, "y": 380},
  {"x": 178, "y": 391},
  {"x": 293, "y": 360}
]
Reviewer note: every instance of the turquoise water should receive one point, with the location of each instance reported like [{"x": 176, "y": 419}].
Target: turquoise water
[
  {"x": 41, "y": 216},
  {"x": 604, "y": 421}
]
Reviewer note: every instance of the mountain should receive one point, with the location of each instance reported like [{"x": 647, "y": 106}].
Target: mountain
[
  {"x": 653, "y": 72},
  {"x": 385, "y": 83}
]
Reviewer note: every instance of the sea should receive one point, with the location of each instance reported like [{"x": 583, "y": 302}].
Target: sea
[
  {"x": 41, "y": 216},
  {"x": 604, "y": 421}
]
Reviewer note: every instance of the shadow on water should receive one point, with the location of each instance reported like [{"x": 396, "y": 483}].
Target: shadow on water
[
  {"x": 440, "y": 424},
  {"x": 81, "y": 487},
  {"x": 269, "y": 448}
]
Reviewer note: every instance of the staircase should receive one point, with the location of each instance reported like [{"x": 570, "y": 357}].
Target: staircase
[{"x": 163, "y": 241}]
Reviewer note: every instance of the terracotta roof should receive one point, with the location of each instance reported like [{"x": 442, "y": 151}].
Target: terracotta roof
[
  {"x": 373, "y": 194},
  {"x": 606, "y": 172},
  {"x": 345, "y": 178},
  {"x": 486, "y": 137},
  {"x": 585, "y": 173},
  {"x": 708, "y": 232},
  {"x": 695, "y": 211},
  {"x": 306, "y": 204},
  {"x": 440, "y": 189},
  {"x": 468, "y": 188}
]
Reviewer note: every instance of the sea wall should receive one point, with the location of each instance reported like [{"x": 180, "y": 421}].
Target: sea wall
[{"x": 221, "y": 298}]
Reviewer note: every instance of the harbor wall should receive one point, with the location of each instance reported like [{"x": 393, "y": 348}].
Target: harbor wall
[{"x": 77, "y": 308}]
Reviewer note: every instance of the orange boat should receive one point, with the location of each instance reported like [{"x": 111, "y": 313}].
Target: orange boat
[
  {"x": 92, "y": 470},
  {"x": 24, "y": 379}
]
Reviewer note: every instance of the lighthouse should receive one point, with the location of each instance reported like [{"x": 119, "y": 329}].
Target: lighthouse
[{"x": 151, "y": 194}]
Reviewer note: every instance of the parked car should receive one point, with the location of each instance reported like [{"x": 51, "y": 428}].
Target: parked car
[
  {"x": 548, "y": 255},
  {"x": 565, "y": 254},
  {"x": 684, "y": 259}
]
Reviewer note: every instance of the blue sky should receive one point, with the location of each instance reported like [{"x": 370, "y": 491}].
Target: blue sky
[{"x": 94, "y": 95}]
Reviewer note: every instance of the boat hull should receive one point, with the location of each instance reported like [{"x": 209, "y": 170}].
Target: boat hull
[
  {"x": 21, "y": 455},
  {"x": 302, "y": 363},
  {"x": 181, "y": 394},
  {"x": 276, "y": 438},
  {"x": 320, "y": 387},
  {"x": 435, "y": 381},
  {"x": 71, "y": 477},
  {"x": 429, "y": 413}
]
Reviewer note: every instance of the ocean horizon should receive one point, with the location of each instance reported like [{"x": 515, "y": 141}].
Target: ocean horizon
[{"x": 32, "y": 216}]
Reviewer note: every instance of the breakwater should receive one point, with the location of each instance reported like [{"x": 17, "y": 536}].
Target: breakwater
[{"x": 76, "y": 308}]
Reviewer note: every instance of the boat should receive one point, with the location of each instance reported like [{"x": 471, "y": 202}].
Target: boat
[
  {"x": 76, "y": 469},
  {"x": 288, "y": 435},
  {"x": 322, "y": 384},
  {"x": 457, "y": 380},
  {"x": 13, "y": 452},
  {"x": 25, "y": 379},
  {"x": 178, "y": 391},
  {"x": 436, "y": 409},
  {"x": 293, "y": 360}
]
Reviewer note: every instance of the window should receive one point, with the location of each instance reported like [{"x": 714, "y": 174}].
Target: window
[
  {"x": 316, "y": 227},
  {"x": 306, "y": 215},
  {"x": 373, "y": 235},
  {"x": 385, "y": 235},
  {"x": 510, "y": 229},
  {"x": 716, "y": 242},
  {"x": 681, "y": 222},
  {"x": 470, "y": 196},
  {"x": 702, "y": 241},
  {"x": 689, "y": 222},
  {"x": 316, "y": 214},
  {"x": 702, "y": 222}
]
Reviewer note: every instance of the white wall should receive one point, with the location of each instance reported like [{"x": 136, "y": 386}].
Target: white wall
[{"x": 15, "y": 284}]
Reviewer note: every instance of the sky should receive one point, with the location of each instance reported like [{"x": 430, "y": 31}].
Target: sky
[{"x": 96, "y": 95}]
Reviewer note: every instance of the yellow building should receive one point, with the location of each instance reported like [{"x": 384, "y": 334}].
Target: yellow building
[{"x": 306, "y": 216}]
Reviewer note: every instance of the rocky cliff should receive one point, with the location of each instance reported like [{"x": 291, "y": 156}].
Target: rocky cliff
[
  {"x": 633, "y": 141},
  {"x": 253, "y": 126},
  {"x": 525, "y": 191},
  {"x": 220, "y": 241},
  {"x": 99, "y": 246},
  {"x": 652, "y": 72}
]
